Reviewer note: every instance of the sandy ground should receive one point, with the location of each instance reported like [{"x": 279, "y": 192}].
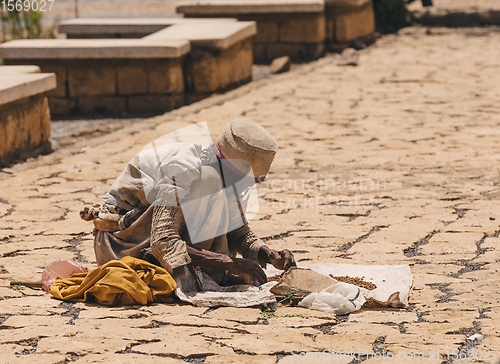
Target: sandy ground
[{"x": 395, "y": 161}]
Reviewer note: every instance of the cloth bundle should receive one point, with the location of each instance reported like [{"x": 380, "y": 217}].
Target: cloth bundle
[{"x": 127, "y": 281}]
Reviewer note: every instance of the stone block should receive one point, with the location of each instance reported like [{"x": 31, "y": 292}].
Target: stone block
[
  {"x": 100, "y": 104},
  {"x": 203, "y": 75},
  {"x": 214, "y": 71},
  {"x": 260, "y": 52},
  {"x": 43, "y": 117},
  {"x": 60, "y": 106},
  {"x": 349, "y": 23},
  {"x": 95, "y": 79},
  {"x": 61, "y": 73},
  {"x": 330, "y": 29},
  {"x": 295, "y": 51},
  {"x": 165, "y": 77},
  {"x": 192, "y": 97},
  {"x": 235, "y": 65},
  {"x": 280, "y": 65},
  {"x": 267, "y": 31},
  {"x": 24, "y": 128},
  {"x": 132, "y": 80},
  {"x": 243, "y": 66},
  {"x": 303, "y": 28},
  {"x": 154, "y": 103}
]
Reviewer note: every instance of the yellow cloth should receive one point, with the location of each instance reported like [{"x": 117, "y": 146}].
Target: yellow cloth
[{"x": 127, "y": 281}]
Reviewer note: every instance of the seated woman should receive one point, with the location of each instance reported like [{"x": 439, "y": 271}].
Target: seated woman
[{"x": 180, "y": 204}]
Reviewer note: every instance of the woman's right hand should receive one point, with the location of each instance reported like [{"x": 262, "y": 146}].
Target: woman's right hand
[{"x": 249, "y": 270}]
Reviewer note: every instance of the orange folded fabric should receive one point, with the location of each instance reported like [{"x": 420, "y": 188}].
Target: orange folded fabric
[{"x": 127, "y": 281}]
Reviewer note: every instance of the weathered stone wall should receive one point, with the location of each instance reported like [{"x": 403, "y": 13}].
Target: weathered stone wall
[
  {"x": 298, "y": 35},
  {"x": 24, "y": 128},
  {"x": 113, "y": 85},
  {"x": 211, "y": 70}
]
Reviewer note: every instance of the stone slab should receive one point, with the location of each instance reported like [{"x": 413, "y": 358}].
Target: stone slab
[
  {"x": 9, "y": 70},
  {"x": 93, "y": 49},
  {"x": 257, "y": 6},
  {"x": 19, "y": 86},
  {"x": 126, "y": 26},
  {"x": 220, "y": 35}
]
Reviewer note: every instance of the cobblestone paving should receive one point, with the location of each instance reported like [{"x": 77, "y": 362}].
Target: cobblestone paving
[{"x": 395, "y": 161}]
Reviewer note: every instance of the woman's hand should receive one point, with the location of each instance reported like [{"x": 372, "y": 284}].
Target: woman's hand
[
  {"x": 280, "y": 260},
  {"x": 249, "y": 270}
]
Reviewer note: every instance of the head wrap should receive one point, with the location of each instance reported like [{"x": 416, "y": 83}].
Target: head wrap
[{"x": 248, "y": 147}]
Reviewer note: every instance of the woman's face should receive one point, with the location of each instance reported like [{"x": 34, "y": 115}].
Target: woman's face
[{"x": 233, "y": 176}]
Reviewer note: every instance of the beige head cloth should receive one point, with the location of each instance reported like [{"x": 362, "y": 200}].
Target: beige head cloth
[{"x": 245, "y": 143}]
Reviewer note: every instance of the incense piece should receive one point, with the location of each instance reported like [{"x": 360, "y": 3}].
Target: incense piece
[{"x": 356, "y": 281}]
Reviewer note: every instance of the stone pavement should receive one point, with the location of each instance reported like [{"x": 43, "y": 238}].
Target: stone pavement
[{"x": 395, "y": 161}]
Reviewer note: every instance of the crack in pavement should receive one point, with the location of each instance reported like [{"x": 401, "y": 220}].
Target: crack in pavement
[
  {"x": 412, "y": 251},
  {"x": 349, "y": 245},
  {"x": 72, "y": 312}
]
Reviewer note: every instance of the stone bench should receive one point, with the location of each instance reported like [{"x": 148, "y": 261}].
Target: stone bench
[
  {"x": 297, "y": 28},
  {"x": 221, "y": 56},
  {"x": 294, "y": 28},
  {"x": 221, "y": 51},
  {"x": 106, "y": 75},
  {"x": 24, "y": 112},
  {"x": 177, "y": 61}
]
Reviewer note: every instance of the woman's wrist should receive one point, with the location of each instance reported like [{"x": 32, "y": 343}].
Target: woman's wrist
[{"x": 264, "y": 254}]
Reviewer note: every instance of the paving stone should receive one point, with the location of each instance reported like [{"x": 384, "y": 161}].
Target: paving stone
[
  {"x": 381, "y": 316},
  {"x": 14, "y": 358},
  {"x": 100, "y": 313},
  {"x": 31, "y": 320},
  {"x": 80, "y": 345},
  {"x": 127, "y": 359},
  {"x": 183, "y": 346},
  {"x": 268, "y": 343},
  {"x": 244, "y": 359},
  {"x": 241, "y": 315},
  {"x": 317, "y": 356}
]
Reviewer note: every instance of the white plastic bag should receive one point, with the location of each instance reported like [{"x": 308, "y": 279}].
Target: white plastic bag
[{"x": 339, "y": 299}]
